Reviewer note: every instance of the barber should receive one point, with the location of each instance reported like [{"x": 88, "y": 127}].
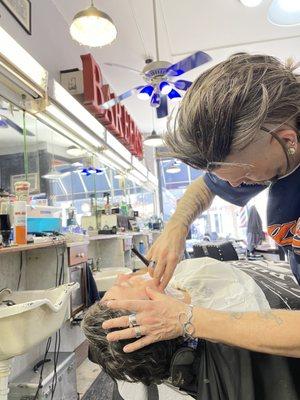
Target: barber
[{"x": 240, "y": 122}]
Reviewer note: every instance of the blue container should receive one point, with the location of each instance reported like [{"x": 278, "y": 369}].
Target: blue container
[
  {"x": 39, "y": 225},
  {"x": 141, "y": 247}
]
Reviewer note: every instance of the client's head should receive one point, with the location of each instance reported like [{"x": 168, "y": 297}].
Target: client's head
[{"x": 148, "y": 365}]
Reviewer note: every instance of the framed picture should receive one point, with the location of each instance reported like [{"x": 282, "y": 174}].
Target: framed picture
[{"x": 21, "y": 11}]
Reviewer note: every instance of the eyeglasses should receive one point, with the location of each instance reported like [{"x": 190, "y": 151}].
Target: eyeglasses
[{"x": 214, "y": 164}]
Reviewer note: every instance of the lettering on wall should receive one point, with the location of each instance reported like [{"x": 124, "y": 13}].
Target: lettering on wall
[{"x": 116, "y": 119}]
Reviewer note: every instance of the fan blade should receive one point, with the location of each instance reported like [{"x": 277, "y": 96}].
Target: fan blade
[
  {"x": 174, "y": 96},
  {"x": 124, "y": 67},
  {"x": 188, "y": 63},
  {"x": 3, "y": 123},
  {"x": 110, "y": 103},
  {"x": 162, "y": 110},
  {"x": 18, "y": 128},
  {"x": 182, "y": 84}
]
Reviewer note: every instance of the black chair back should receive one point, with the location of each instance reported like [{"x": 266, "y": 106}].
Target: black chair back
[{"x": 223, "y": 251}]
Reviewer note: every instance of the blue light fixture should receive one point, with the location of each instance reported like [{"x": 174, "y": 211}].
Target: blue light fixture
[
  {"x": 90, "y": 171},
  {"x": 164, "y": 87},
  {"x": 181, "y": 84},
  {"x": 3, "y": 123},
  {"x": 145, "y": 93}
]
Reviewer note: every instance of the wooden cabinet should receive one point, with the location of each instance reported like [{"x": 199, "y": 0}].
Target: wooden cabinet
[
  {"x": 77, "y": 258},
  {"x": 78, "y": 254}
]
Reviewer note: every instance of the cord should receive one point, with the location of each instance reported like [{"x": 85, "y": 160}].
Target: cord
[
  {"x": 42, "y": 368},
  {"x": 20, "y": 270},
  {"x": 59, "y": 279},
  {"x": 59, "y": 276},
  {"x": 55, "y": 361}
]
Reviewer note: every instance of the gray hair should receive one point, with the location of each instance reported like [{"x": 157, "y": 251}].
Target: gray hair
[
  {"x": 225, "y": 108},
  {"x": 150, "y": 364}
]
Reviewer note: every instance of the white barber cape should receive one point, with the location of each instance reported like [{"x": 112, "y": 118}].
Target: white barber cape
[{"x": 211, "y": 284}]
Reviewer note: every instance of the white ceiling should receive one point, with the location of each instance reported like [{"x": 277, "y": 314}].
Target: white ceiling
[{"x": 220, "y": 27}]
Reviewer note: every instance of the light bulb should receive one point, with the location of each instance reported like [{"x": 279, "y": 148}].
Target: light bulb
[
  {"x": 165, "y": 88},
  {"x": 145, "y": 93},
  {"x": 92, "y": 27},
  {"x": 251, "y": 3},
  {"x": 284, "y": 12}
]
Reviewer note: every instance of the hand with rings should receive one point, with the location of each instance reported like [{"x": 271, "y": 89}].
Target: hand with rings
[
  {"x": 166, "y": 253},
  {"x": 150, "y": 321},
  {"x": 133, "y": 324}
]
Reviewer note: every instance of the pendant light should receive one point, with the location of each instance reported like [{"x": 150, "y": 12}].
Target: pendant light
[
  {"x": 284, "y": 12},
  {"x": 92, "y": 27},
  {"x": 174, "y": 168},
  {"x": 154, "y": 140},
  {"x": 74, "y": 151}
]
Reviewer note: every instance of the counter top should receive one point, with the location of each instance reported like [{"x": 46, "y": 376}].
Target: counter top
[
  {"x": 79, "y": 243},
  {"x": 28, "y": 247},
  {"x": 117, "y": 236},
  {"x": 53, "y": 243}
]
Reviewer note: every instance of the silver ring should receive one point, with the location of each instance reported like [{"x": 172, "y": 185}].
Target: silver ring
[
  {"x": 132, "y": 320},
  {"x": 152, "y": 264},
  {"x": 138, "y": 332}
]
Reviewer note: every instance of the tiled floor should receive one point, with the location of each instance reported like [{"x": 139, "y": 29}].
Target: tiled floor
[{"x": 87, "y": 372}]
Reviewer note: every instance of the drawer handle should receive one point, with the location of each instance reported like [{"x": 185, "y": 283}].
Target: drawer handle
[{"x": 80, "y": 255}]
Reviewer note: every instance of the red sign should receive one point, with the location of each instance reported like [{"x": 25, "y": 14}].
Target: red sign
[{"x": 116, "y": 119}]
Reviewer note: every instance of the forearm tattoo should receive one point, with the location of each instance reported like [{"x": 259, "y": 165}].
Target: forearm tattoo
[{"x": 269, "y": 315}]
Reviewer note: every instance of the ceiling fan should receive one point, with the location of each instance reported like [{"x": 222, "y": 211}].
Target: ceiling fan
[
  {"x": 6, "y": 122},
  {"x": 161, "y": 79}
]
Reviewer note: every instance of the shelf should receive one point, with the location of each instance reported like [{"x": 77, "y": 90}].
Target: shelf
[{"x": 28, "y": 247}]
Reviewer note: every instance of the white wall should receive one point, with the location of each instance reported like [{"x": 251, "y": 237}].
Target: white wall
[{"x": 48, "y": 27}]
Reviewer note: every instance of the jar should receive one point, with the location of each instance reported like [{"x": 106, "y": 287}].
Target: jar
[{"x": 22, "y": 191}]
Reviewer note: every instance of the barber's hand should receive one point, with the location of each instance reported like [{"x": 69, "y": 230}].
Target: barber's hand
[
  {"x": 167, "y": 252},
  {"x": 158, "y": 319}
]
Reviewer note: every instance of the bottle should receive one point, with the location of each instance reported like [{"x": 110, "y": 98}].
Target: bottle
[
  {"x": 130, "y": 211},
  {"x": 123, "y": 208},
  {"x": 107, "y": 206},
  {"x": 20, "y": 222},
  {"x": 141, "y": 247}
]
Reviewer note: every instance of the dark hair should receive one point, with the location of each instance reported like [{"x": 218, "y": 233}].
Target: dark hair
[
  {"x": 227, "y": 105},
  {"x": 150, "y": 364}
]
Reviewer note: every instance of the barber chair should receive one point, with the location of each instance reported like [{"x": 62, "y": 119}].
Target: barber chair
[{"x": 223, "y": 251}]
